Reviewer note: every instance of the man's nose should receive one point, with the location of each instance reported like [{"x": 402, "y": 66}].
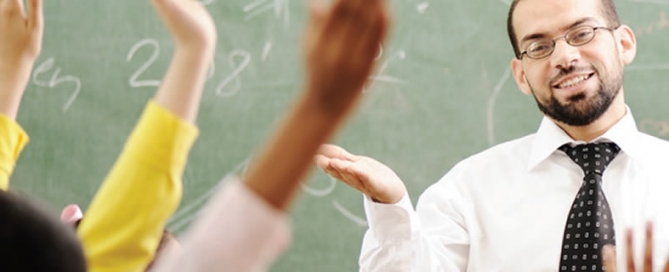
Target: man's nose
[{"x": 564, "y": 55}]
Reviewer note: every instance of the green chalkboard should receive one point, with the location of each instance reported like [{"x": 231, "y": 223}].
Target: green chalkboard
[{"x": 443, "y": 92}]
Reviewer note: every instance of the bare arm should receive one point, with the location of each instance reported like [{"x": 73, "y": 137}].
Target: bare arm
[
  {"x": 194, "y": 36},
  {"x": 243, "y": 227},
  {"x": 21, "y": 37},
  {"x": 20, "y": 45},
  {"x": 340, "y": 47},
  {"x": 144, "y": 187}
]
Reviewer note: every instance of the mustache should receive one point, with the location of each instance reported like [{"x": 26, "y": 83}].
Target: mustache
[{"x": 565, "y": 72}]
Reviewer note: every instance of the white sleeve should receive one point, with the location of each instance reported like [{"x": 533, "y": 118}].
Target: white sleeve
[
  {"x": 236, "y": 231},
  {"x": 400, "y": 239}
]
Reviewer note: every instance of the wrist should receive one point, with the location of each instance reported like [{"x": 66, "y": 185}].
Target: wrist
[
  {"x": 14, "y": 78},
  {"x": 195, "y": 51},
  {"x": 329, "y": 105}
]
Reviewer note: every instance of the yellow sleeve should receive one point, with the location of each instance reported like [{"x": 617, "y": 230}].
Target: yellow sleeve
[
  {"x": 123, "y": 225},
  {"x": 12, "y": 140}
]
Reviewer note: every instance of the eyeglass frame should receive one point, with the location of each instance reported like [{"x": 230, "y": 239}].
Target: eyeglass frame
[{"x": 553, "y": 41}]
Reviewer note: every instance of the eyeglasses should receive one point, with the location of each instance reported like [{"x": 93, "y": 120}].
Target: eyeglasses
[{"x": 577, "y": 36}]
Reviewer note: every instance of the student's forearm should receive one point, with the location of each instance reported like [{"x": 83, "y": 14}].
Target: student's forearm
[
  {"x": 13, "y": 82},
  {"x": 180, "y": 91},
  {"x": 276, "y": 174}
]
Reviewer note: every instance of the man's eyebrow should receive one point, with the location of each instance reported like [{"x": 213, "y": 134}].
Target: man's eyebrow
[{"x": 541, "y": 35}]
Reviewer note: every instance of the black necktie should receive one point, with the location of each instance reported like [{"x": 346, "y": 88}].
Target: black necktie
[{"x": 589, "y": 224}]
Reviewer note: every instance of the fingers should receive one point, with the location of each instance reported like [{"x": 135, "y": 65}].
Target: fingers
[
  {"x": 11, "y": 7},
  {"x": 356, "y": 22},
  {"x": 609, "y": 254},
  {"x": 317, "y": 12},
  {"x": 71, "y": 214},
  {"x": 365, "y": 19},
  {"x": 347, "y": 173},
  {"x": 648, "y": 255},
  {"x": 35, "y": 15},
  {"x": 629, "y": 240},
  {"x": 324, "y": 163},
  {"x": 373, "y": 29},
  {"x": 17, "y": 5},
  {"x": 666, "y": 266},
  {"x": 346, "y": 169},
  {"x": 336, "y": 152}
]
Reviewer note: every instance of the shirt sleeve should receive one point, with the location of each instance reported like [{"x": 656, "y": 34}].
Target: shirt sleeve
[
  {"x": 431, "y": 238},
  {"x": 123, "y": 224},
  {"x": 12, "y": 141},
  {"x": 237, "y": 231}
]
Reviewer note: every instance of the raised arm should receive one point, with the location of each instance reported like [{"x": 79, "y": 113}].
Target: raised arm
[
  {"x": 20, "y": 45},
  {"x": 340, "y": 45},
  {"x": 124, "y": 223},
  {"x": 243, "y": 228}
]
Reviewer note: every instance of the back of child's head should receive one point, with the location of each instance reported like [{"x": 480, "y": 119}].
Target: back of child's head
[{"x": 32, "y": 239}]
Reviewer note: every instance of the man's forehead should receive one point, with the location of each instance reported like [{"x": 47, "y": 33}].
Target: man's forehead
[{"x": 546, "y": 16}]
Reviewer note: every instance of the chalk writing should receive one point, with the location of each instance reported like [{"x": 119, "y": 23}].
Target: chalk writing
[
  {"x": 380, "y": 76},
  {"x": 56, "y": 80},
  {"x": 326, "y": 191},
  {"x": 265, "y": 50},
  {"x": 422, "y": 7},
  {"x": 233, "y": 79},
  {"x": 258, "y": 7},
  {"x": 133, "y": 81}
]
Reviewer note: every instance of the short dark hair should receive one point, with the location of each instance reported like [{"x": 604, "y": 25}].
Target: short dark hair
[
  {"x": 33, "y": 239},
  {"x": 606, "y": 7}
]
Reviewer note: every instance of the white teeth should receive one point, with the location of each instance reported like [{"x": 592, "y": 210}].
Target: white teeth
[{"x": 573, "y": 81}]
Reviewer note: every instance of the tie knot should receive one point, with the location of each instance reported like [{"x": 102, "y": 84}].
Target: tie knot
[{"x": 592, "y": 157}]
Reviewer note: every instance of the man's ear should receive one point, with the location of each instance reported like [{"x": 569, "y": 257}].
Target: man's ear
[
  {"x": 519, "y": 76},
  {"x": 627, "y": 44}
]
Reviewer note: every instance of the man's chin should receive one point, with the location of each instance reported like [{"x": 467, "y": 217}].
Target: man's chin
[{"x": 577, "y": 97}]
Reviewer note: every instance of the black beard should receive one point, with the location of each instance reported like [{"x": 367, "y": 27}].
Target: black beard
[{"x": 591, "y": 109}]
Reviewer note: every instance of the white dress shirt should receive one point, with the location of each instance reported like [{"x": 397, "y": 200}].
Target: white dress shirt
[
  {"x": 237, "y": 232},
  {"x": 505, "y": 209}
]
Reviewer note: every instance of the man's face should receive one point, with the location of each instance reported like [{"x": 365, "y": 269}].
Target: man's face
[{"x": 574, "y": 85}]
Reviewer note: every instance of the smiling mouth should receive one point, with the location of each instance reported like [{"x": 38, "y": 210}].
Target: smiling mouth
[{"x": 573, "y": 81}]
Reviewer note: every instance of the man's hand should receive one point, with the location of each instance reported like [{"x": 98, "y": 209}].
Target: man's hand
[
  {"x": 365, "y": 174},
  {"x": 341, "y": 44},
  {"x": 610, "y": 254}
]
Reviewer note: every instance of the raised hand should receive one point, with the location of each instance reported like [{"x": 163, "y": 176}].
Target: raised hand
[
  {"x": 365, "y": 174},
  {"x": 20, "y": 45},
  {"x": 341, "y": 44},
  {"x": 188, "y": 22},
  {"x": 610, "y": 255},
  {"x": 194, "y": 34}
]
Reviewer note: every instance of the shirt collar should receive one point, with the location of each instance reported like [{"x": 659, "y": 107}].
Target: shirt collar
[{"x": 550, "y": 137}]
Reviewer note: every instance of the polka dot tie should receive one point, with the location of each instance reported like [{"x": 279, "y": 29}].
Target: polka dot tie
[{"x": 589, "y": 224}]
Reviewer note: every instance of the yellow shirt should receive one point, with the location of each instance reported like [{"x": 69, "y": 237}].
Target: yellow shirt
[
  {"x": 12, "y": 141},
  {"x": 123, "y": 225}
]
